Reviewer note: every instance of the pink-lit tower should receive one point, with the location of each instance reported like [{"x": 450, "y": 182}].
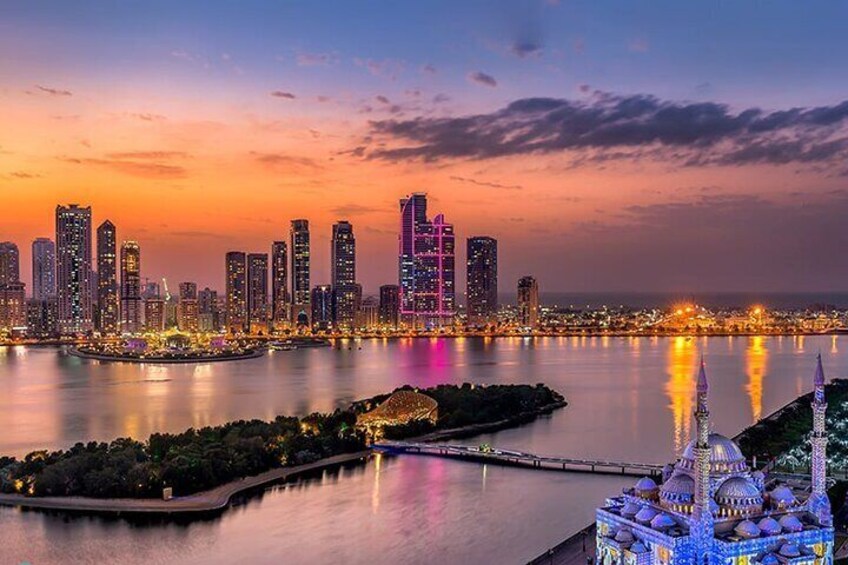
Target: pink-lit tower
[
  {"x": 702, "y": 526},
  {"x": 818, "y": 503}
]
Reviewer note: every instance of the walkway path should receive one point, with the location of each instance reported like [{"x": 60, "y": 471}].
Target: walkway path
[
  {"x": 206, "y": 501},
  {"x": 576, "y": 550}
]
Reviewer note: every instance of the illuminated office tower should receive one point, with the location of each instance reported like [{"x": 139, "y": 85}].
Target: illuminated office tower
[
  {"x": 131, "y": 304},
  {"x": 528, "y": 302},
  {"x": 389, "y": 305},
  {"x": 426, "y": 266},
  {"x": 154, "y": 314},
  {"x": 74, "y": 286},
  {"x": 43, "y": 269},
  {"x": 257, "y": 292},
  {"x": 187, "y": 308},
  {"x": 300, "y": 279},
  {"x": 41, "y": 318},
  {"x": 10, "y": 263},
  {"x": 369, "y": 313},
  {"x": 279, "y": 284},
  {"x": 208, "y": 313},
  {"x": 13, "y": 308},
  {"x": 482, "y": 280},
  {"x": 322, "y": 307},
  {"x": 107, "y": 279},
  {"x": 236, "y": 296},
  {"x": 346, "y": 293}
]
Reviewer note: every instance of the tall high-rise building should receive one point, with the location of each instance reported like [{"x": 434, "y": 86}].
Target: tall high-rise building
[
  {"x": 528, "y": 302},
  {"x": 257, "y": 292},
  {"x": 236, "y": 292},
  {"x": 107, "y": 279},
  {"x": 390, "y": 305},
  {"x": 208, "y": 314},
  {"x": 13, "y": 309},
  {"x": 426, "y": 265},
  {"x": 154, "y": 314},
  {"x": 43, "y": 268},
  {"x": 10, "y": 263},
  {"x": 369, "y": 313},
  {"x": 188, "y": 308},
  {"x": 322, "y": 307},
  {"x": 74, "y": 269},
  {"x": 279, "y": 284},
  {"x": 300, "y": 275},
  {"x": 482, "y": 279},
  {"x": 41, "y": 317},
  {"x": 346, "y": 293},
  {"x": 131, "y": 305}
]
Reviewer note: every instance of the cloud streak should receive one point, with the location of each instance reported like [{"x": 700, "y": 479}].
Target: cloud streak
[
  {"x": 283, "y": 94},
  {"x": 606, "y": 127},
  {"x": 54, "y": 91},
  {"x": 482, "y": 79}
]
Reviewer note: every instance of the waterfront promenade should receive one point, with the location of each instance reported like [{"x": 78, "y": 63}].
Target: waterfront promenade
[{"x": 206, "y": 501}]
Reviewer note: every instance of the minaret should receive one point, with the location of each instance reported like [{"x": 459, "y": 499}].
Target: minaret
[
  {"x": 818, "y": 503},
  {"x": 701, "y": 529}
]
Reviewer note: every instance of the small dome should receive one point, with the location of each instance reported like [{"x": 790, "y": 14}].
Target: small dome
[
  {"x": 790, "y": 549},
  {"x": 679, "y": 484},
  {"x": 770, "y": 559},
  {"x": 638, "y": 547},
  {"x": 646, "y": 484},
  {"x": 722, "y": 450},
  {"x": 783, "y": 495},
  {"x": 747, "y": 529},
  {"x": 662, "y": 522},
  {"x": 629, "y": 509},
  {"x": 624, "y": 536},
  {"x": 791, "y": 523},
  {"x": 736, "y": 488},
  {"x": 769, "y": 526},
  {"x": 645, "y": 515}
]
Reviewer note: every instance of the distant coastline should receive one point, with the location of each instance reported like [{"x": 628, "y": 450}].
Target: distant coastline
[{"x": 160, "y": 359}]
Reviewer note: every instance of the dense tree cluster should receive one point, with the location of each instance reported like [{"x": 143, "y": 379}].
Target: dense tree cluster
[{"x": 191, "y": 461}]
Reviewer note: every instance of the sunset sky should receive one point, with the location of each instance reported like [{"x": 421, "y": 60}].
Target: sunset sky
[{"x": 675, "y": 146}]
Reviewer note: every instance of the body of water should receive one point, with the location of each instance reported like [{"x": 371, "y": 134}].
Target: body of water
[{"x": 630, "y": 399}]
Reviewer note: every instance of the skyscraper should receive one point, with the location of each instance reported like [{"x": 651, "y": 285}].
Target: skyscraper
[
  {"x": 482, "y": 280},
  {"x": 73, "y": 269},
  {"x": 426, "y": 265},
  {"x": 322, "y": 307},
  {"x": 390, "y": 305},
  {"x": 236, "y": 292},
  {"x": 257, "y": 292},
  {"x": 279, "y": 284},
  {"x": 43, "y": 269},
  {"x": 187, "y": 308},
  {"x": 528, "y": 302},
  {"x": 10, "y": 263},
  {"x": 300, "y": 272},
  {"x": 131, "y": 305},
  {"x": 107, "y": 279},
  {"x": 154, "y": 314},
  {"x": 209, "y": 316},
  {"x": 346, "y": 293}
]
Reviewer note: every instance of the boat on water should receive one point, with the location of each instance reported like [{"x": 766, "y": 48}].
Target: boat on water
[{"x": 293, "y": 343}]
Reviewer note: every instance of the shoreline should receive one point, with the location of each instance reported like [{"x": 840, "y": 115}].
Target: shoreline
[{"x": 219, "y": 498}]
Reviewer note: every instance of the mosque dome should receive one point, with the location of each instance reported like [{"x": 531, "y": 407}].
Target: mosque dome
[
  {"x": 769, "y": 526},
  {"x": 782, "y": 496},
  {"x": 662, "y": 522},
  {"x": 638, "y": 547},
  {"x": 629, "y": 509},
  {"x": 725, "y": 455},
  {"x": 747, "y": 529},
  {"x": 770, "y": 559},
  {"x": 624, "y": 536},
  {"x": 791, "y": 523},
  {"x": 645, "y": 515},
  {"x": 679, "y": 488},
  {"x": 645, "y": 485},
  {"x": 790, "y": 550}
]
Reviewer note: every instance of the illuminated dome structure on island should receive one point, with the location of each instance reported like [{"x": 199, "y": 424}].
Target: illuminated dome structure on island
[{"x": 711, "y": 508}]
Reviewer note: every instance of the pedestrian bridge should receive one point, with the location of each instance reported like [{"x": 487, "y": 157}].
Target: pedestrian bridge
[{"x": 490, "y": 455}]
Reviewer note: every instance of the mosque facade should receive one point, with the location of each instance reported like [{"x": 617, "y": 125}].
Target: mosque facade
[{"x": 711, "y": 508}]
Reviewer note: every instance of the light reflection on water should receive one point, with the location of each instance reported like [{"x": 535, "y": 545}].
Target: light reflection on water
[{"x": 630, "y": 399}]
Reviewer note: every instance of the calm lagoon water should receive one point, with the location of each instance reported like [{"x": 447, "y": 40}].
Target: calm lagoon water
[{"x": 630, "y": 399}]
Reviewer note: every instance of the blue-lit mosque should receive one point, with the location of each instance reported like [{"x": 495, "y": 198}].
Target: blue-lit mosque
[{"x": 713, "y": 509}]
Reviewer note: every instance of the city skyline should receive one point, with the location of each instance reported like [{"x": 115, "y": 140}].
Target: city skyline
[{"x": 342, "y": 120}]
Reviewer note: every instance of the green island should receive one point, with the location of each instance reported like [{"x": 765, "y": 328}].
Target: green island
[{"x": 198, "y": 460}]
